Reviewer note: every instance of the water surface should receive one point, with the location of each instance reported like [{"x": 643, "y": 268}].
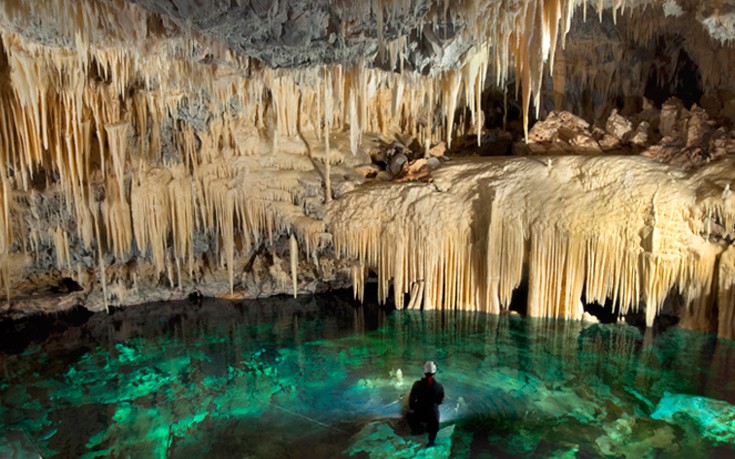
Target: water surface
[{"x": 323, "y": 377}]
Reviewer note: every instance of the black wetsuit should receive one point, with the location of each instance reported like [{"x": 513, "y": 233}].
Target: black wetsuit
[{"x": 426, "y": 396}]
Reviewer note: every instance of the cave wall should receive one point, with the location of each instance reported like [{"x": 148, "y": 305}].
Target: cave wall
[{"x": 153, "y": 149}]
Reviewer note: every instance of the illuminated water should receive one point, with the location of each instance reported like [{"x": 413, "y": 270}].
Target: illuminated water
[{"x": 319, "y": 377}]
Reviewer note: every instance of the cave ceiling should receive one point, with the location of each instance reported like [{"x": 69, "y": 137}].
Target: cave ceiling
[
  {"x": 610, "y": 48},
  {"x": 291, "y": 33}
]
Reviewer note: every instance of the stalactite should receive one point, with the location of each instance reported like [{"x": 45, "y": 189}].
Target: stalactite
[
  {"x": 101, "y": 262},
  {"x": 149, "y": 198},
  {"x": 451, "y": 89},
  {"x": 328, "y": 117},
  {"x": 354, "y": 121},
  {"x": 726, "y": 295},
  {"x": 117, "y": 220},
  {"x": 61, "y": 245},
  {"x": 294, "y": 255}
]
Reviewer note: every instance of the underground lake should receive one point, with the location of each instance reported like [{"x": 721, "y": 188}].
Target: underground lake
[{"x": 325, "y": 376}]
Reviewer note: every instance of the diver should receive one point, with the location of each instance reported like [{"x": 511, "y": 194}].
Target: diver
[{"x": 423, "y": 403}]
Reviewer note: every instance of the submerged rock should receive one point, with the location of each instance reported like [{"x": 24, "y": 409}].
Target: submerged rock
[
  {"x": 379, "y": 440},
  {"x": 715, "y": 418},
  {"x": 629, "y": 437}
]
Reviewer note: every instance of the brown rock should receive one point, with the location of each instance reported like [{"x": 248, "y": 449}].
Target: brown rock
[
  {"x": 548, "y": 129},
  {"x": 438, "y": 150},
  {"x": 585, "y": 142},
  {"x": 670, "y": 114},
  {"x": 697, "y": 126},
  {"x": 368, "y": 170},
  {"x": 418, "y": 170},
  {"x": 640, "y": 135},
  {"x": 606, "y": 141},
  {"x": 721, "y": 144},
  {"x": 618, "y": 126},
  {"x": 384, "y": 176}
]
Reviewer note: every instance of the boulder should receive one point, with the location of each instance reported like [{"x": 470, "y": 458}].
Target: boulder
[{"x": 618, "y": 126}]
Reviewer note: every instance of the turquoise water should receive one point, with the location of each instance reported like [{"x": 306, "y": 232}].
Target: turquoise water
[{"x": 321, "y": 377}]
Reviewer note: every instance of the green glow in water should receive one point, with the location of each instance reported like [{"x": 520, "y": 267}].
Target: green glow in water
[{"x": 269, "y": 381}]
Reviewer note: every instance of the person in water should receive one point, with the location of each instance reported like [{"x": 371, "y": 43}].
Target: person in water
[{"x": 423, "y": 403}]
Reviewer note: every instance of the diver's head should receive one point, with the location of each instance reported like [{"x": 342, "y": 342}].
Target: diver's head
[{"x": 429, "y": 368}]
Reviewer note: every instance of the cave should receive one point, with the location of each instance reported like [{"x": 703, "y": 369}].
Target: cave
[{"x": 238, "y": 228}]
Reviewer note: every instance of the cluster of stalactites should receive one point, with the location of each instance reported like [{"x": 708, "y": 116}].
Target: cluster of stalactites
[
  {"x": 577, "y": 229},
  {"x": 91, "y": 108},
  {"x": 94, "y": 116},
  {"x": 516, "y": 37},
  {"x": 90, "y": 117},
  {"x": 89, "y": 103}
]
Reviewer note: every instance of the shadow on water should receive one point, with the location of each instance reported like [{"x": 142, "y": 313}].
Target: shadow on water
[{"x": 324, "y": 377}]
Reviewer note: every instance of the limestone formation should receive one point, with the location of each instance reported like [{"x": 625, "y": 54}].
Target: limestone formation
[{"x": 151, "y": 149}]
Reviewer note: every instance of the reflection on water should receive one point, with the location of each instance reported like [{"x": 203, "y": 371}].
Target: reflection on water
[{"x": 320, "y": 377}]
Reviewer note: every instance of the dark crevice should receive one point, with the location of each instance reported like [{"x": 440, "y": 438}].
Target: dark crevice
[{"x": 685, "y": 82}]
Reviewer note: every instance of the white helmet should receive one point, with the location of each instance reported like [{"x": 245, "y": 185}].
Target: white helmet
[{"x": 429, "y": 367}]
